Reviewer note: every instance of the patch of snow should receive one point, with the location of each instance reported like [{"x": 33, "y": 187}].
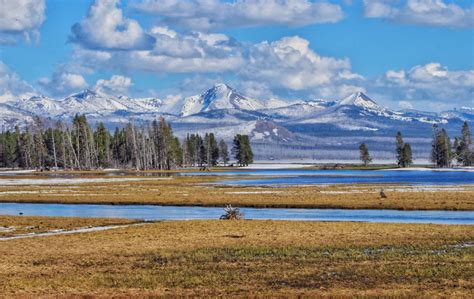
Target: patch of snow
[
  {"x": 274, "y": 166},
  {"x": 71, "y": 181},
  {"x": 69, "y": 232}
]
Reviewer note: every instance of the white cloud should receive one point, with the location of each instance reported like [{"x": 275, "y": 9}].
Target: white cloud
[
  {"x": 290, "y": 63},
  {"x": 12, "y": 86},
  {"x": 105, "y": 27},
  {"x": 21, "y": 18},
  {"x": 160, "y": 49},
  {"x": 430, "y": 87},
  {"x": 172, "y": 53},
  {"x": 63, "y": 83},
  {"x": 117, "y": 85},
  {"x": 422, "y": 12},
  {"x": 209, "y": 14}
]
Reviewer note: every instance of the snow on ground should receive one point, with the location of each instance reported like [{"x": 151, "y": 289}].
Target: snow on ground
[
  {"x": 6, "y": 172},
  {"x": 469, "y": 169},
  {"x": 275, "y": 166},
  {"x": 68, "y": 232},
  {"x": 70, "y": 181}
]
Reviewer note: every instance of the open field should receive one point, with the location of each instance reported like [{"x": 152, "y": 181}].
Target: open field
[
  {"x": 13, "y": 226},
  {"x": 187, "y": 190},
  {"x": 211, "y": 258}
]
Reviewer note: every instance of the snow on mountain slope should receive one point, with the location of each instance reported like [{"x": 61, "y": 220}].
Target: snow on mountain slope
[
  {"x": 140, "y": 105},
  {"x": 298, "y": 110},
  {"x": 11, "y": 117},
  {"x": 464, "y": 113},
  {"x": 269, "y": 130},
  {"x": 219, "y": 97},
  {"x": 222, "y": 96},
  {"x": 222, "y": 109},
  {"x": 359, "y": 99},
  {"x": 40, "y": 105},
  {"x": 90, "y": 101}
]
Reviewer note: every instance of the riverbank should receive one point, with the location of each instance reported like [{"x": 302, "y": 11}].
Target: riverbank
[
  {"x": 196, "y": 191},
  {"x": 244, "y": 258}
]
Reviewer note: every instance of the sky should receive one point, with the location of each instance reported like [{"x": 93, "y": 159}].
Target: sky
[{"x": 404, "y": 54}]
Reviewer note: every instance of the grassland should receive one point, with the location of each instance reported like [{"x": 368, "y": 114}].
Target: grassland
[
  {"x": 242, "y": 258},
  {"x": 194, "y": 190},
  {"x": 13, "y": 226}
]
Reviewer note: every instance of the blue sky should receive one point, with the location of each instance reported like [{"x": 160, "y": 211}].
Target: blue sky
[{"x": 403, "y": 54}]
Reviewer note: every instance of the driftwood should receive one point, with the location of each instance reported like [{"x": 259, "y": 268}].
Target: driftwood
[{"x": 231, "y": 213}]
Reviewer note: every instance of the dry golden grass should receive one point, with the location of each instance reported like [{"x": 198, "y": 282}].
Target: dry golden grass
[
  {"x": 241, "y": 258},
  {"x": 194, "y": 191},
  {"x": 12, "y": 226}
]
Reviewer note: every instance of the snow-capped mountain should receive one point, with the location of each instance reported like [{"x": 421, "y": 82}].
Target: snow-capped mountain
[
  {"x": 221, "y": 96},
  {"x": 224, "y": 111},
  {"x": 359, "y": 99}
]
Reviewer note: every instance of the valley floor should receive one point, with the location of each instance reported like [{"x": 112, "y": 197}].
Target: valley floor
[
  {"x": 232, "y": 258},
  {"x": 97, "y": 188}
]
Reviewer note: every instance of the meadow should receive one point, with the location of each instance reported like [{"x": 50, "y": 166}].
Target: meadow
[
  {"x": 199, "y": 191},
  {"x": 237, "y": 258}
]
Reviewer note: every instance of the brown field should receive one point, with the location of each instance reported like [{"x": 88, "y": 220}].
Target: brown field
[
  {"x": 242, "y": 258},
  {"x": 12, "y": 226},
  {"x": 194, "y": 191}
]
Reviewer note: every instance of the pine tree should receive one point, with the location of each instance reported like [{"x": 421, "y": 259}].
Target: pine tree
[
  {"x": 212, "y": 150},
  {"x": 404, "y": 155},
  {"x": 102, "y": 140},
  {"x": 407, "y": 155},
  {"x": 7, "y": 152},
  {"x": 364, "y": 154},
  {"x": 242, "y": 150},
  {"x": 399, "y": 147},
  {"x": 223, "y": 152},
  {"x": 465, "y": 153},
  {"x": 441, "y": 153}
]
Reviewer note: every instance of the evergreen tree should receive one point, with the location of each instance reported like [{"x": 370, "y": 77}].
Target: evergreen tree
[
  {"x": 399, "y": 148},
  {"x": 223, "y": 152},
  {"x": 102, "y": 141},
  {"x": 465, "y": 153},
  {"x": 364, "y": 154},
  {"x": 441, "y": 153},
  {"x": 212, "y": 150},
  {"x": 79, "y": 146},
  {"x": 242, "y": 150},
  {"x": 407, "y": 155},
  {"x": 404, "y": 155},
  {"x": 7, "y": 150}
]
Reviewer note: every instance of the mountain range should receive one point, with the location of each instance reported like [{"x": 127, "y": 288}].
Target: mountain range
[{"x": 309, "y": 128}]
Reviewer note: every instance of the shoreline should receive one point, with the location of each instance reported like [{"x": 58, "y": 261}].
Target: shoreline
[{"x": 211, "y": 205}]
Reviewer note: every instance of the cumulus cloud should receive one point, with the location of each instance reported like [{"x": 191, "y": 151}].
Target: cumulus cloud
[
  {"x": 105, "y": 39},
  {"x": 12, "y": 87},
  {"x": 20, "y": 18},
  {"x": 63, "y": 83},
  {"x": 430, "y": 86},
  {"x": 172, "y": 53},
  {"x": 117, "y": 85},
  {"x": 211, "y": 14},
  {"x": 105, "y": 27},
  {"x": 291, "y": 63},
  {"x": 423, "y": 12}
]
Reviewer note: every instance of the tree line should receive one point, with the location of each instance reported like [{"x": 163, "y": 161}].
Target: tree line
[
  {"x": 78, "y": 146},
  {"x": 443, "y": 152}
]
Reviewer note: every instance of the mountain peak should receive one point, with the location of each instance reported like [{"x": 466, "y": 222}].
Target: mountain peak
[
  {"x": 359, "y": 99},
  {"x": 85, "y": 94},
  {"x": 221, "y": 86}
]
